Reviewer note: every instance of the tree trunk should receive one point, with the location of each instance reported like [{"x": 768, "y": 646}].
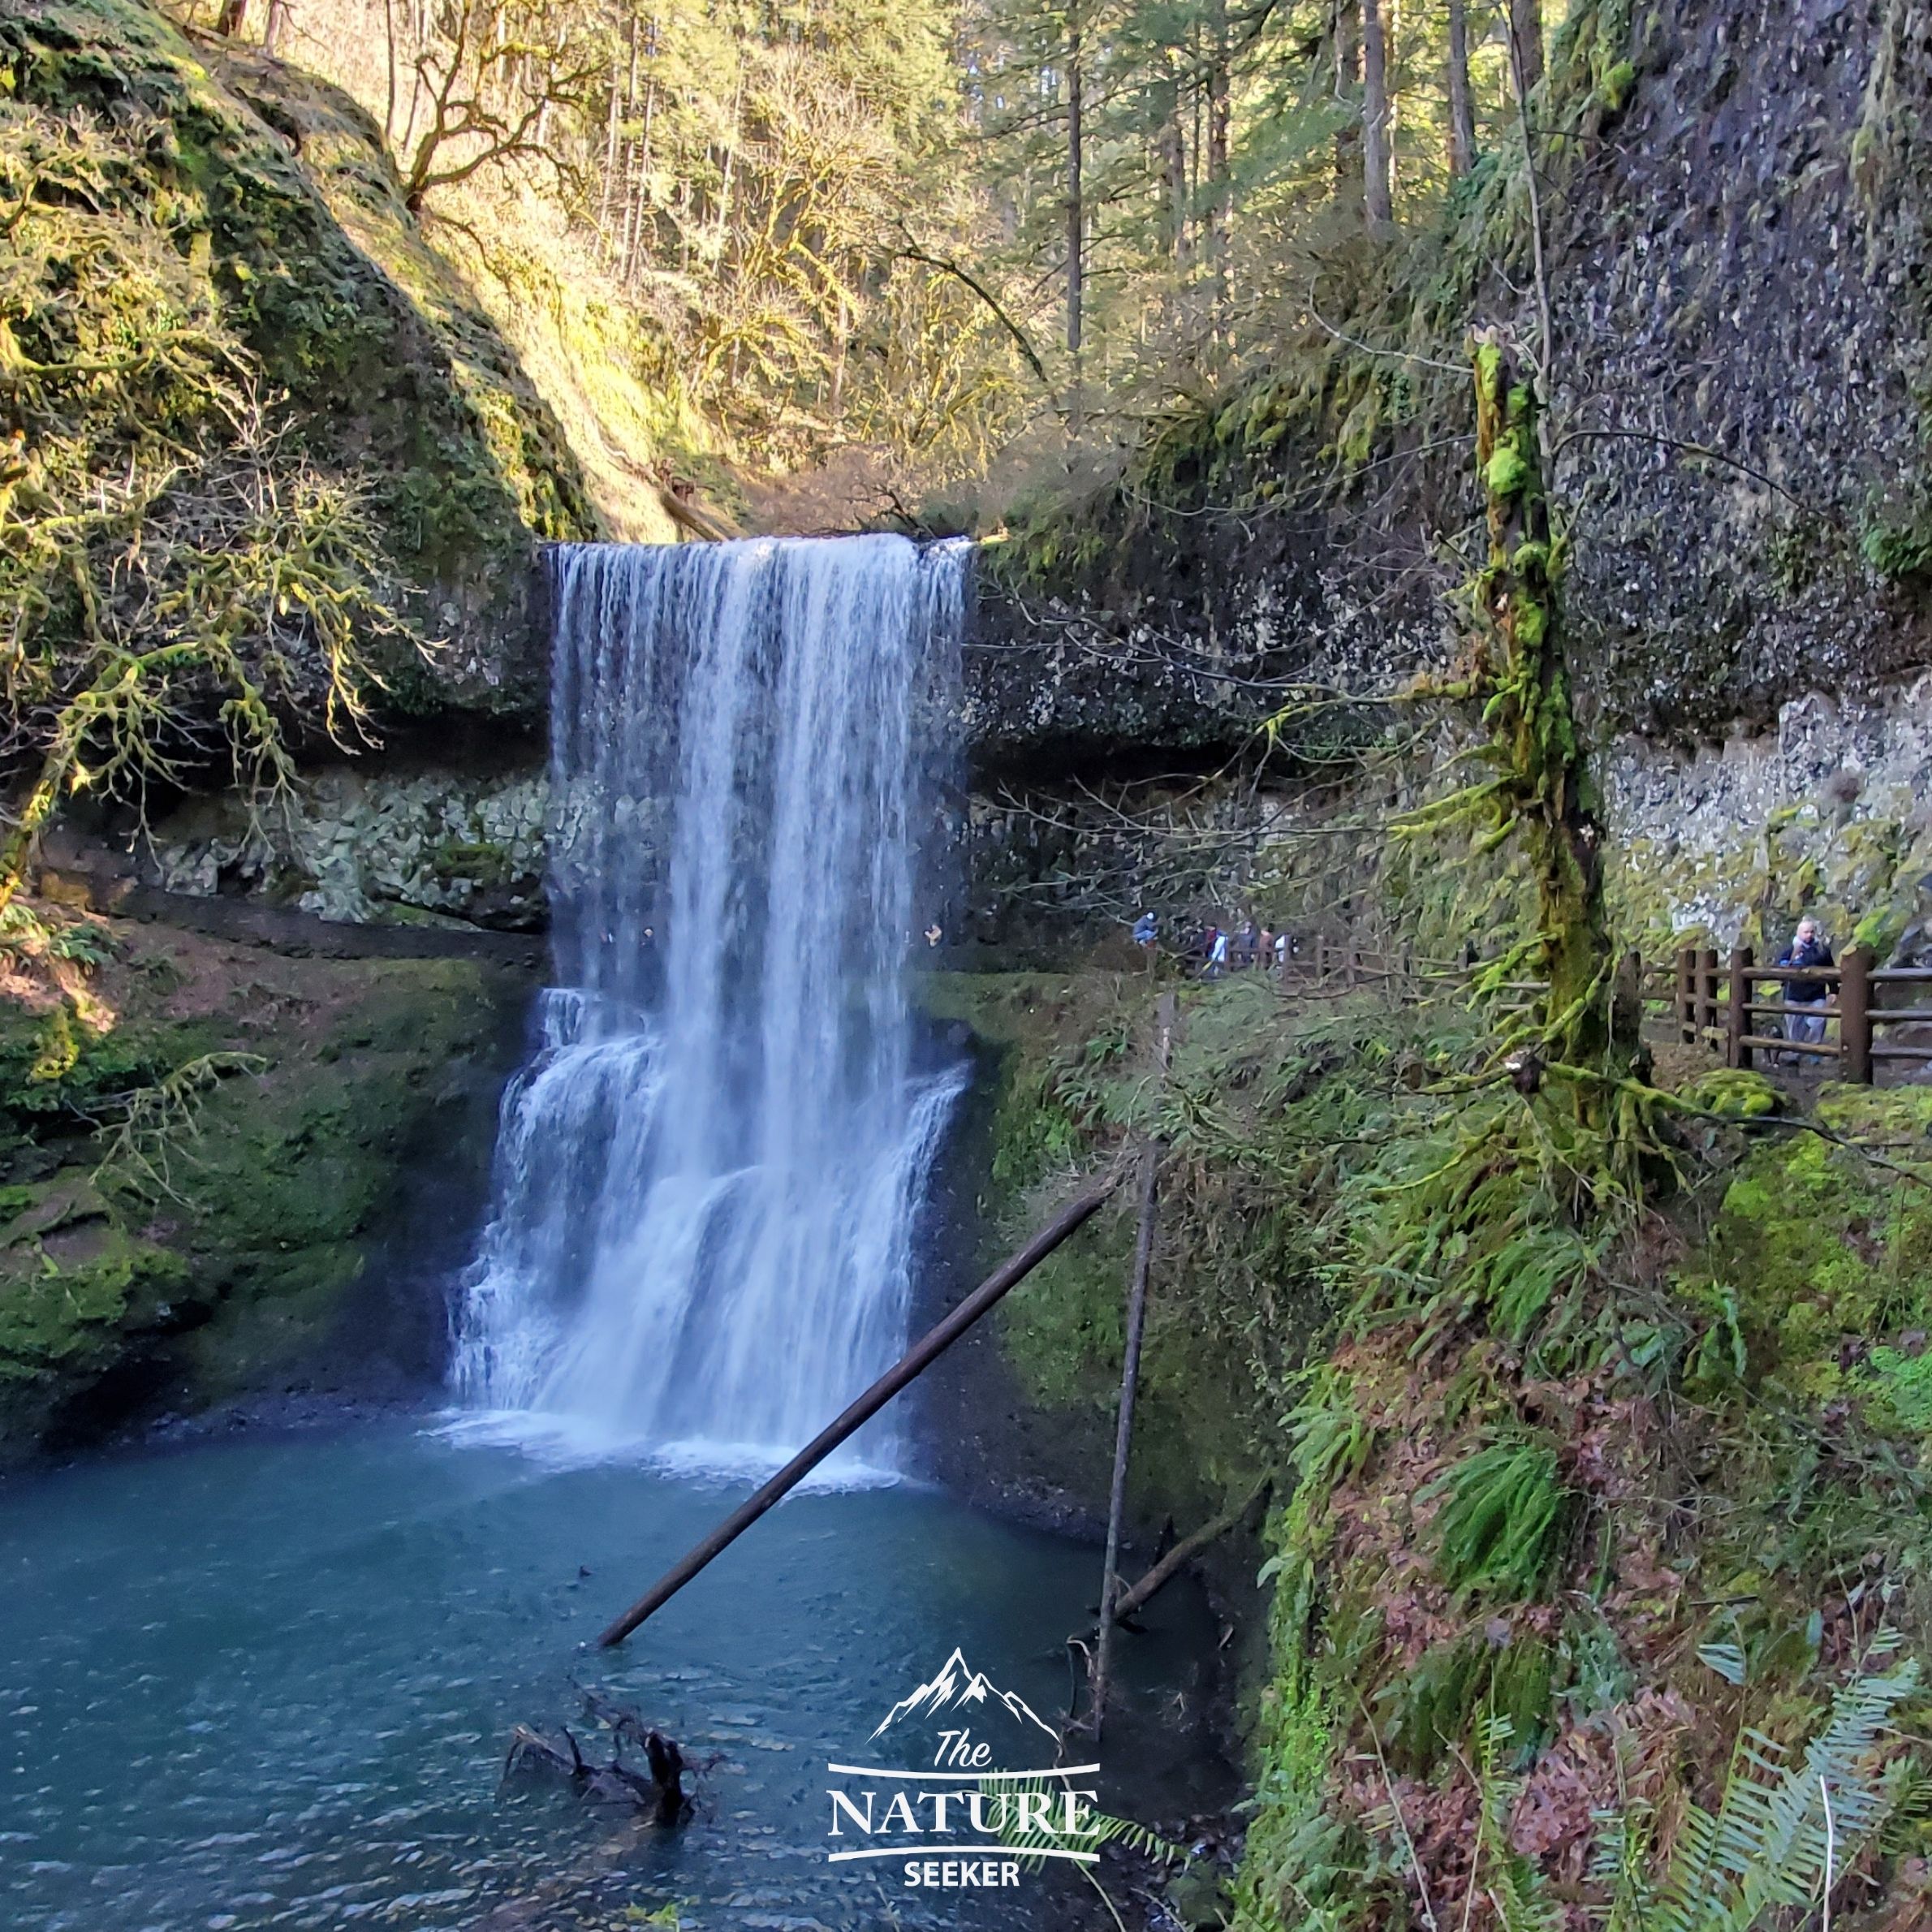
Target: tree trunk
[
  {"x": 1530, "y": 714},
  {"x": 1347, "y": 41},
  {"x": 1172, "y": 150},
  {"x": 1076, "y": 213},
  {"x": 1377, "y": 197},
  {"x": 1526, "y": 42},
  {"x": 1220, "y": 172},
  {"x": 389, "y": 106},
  {"x": 1462, "y": 110},
  {"x": 611, "y": 150},
  {"x": 277, "y": 28},
  {"x": 232, "y": 18}
]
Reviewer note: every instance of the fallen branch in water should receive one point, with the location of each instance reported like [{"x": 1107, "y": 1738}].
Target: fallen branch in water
[
  {"x": 919, "y": 1357},
  {"x": 662, "y": 1790},
  {"x": 1185, "y": 1552}
]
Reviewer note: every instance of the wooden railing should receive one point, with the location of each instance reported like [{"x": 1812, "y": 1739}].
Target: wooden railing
[
  {"x": 1717, "y": 1005},
  {"x": 1344, "y": 962},
  {"x": 1706, "y": 999}
]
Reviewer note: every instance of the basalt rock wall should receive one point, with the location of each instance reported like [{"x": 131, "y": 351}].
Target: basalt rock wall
[{"x": 1740, "y": 430}]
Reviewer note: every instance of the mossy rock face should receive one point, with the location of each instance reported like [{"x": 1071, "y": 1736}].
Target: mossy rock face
[
  {"x": 295, "y": 1225},
  {"x": 275, "y": 195},
  {"x": 75, "y": 1283},
  {"x": 1057, "y": 1051}
]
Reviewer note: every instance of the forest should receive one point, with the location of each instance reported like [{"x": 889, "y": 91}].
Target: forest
[{"x": 946, "y": 230}]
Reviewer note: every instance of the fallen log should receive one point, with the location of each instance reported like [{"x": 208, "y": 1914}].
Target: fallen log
[
  {"x": 662, "y": 1791},
  {"x": 1185, "y": 1552},
  {"x": 917, "y": 1359}
]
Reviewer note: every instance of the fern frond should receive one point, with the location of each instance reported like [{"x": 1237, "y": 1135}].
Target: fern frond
[
  {"x": 1768, "y": 1844},
  {"x": 1032, "y": 1813},
  {"x": 1514, "y": 1885}
]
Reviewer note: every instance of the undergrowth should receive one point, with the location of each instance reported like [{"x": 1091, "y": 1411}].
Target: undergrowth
[{"x": 1570, "y": 1504}]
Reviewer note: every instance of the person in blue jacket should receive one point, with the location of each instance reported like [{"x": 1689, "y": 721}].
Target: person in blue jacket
[{"x": 1805, "y": 1000}]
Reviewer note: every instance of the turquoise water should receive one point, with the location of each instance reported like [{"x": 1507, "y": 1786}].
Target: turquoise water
[{"x": 270, "y": 1682}]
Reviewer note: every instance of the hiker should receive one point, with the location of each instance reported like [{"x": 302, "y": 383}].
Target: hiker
[
  {"x": 1282, "y": 950},
  {"x": 1244, "y": 943},
  {"x": 1217, "y": 959},
  {"x": 1145, "y": 930},
  {"x": 1805, "y": 1000}
]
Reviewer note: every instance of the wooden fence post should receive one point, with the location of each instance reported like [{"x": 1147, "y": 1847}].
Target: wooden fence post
[
  {"x": 1687, "y": 994},
  {"x": 1707, "y": 993},
  {"x": 1737, "y": 1021},
  {"x": 1351, "y": 959},
  {"x": 1855, "y": 1016}
]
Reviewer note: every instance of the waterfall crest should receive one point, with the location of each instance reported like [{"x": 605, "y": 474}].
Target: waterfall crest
[{"x": 706, "y": 1177}]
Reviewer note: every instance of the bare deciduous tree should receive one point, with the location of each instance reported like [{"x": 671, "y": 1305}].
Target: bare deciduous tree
[{"x": 489, "y": 75}]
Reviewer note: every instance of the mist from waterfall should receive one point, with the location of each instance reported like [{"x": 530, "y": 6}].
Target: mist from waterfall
[{"x": 707, "y": 1177}]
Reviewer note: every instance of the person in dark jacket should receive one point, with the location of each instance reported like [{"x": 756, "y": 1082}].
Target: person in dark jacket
[{"x": 1805, "y": 1000}]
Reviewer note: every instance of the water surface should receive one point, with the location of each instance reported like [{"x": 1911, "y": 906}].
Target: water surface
[{"x": 269, "y": 1682}]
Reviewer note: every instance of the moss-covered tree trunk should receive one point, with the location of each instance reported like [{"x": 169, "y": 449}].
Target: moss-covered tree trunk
[{"x": 1529, "y": 713}]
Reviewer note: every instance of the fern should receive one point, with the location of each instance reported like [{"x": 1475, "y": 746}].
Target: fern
[
  {"x": 1502, "y": 1521},
  {"x": 1514, "y": 1884},
  {"x": 1768, "y": 1844},
  {"x": 83, "y": 943},
  {"x": 1043, "y": 1836}
]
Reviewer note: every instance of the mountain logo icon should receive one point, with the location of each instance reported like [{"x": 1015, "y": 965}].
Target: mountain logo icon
[{"x": 960, "y": 1690}]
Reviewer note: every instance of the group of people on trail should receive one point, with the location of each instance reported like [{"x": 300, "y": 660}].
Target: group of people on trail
[{"x": 1216, "y": 951}]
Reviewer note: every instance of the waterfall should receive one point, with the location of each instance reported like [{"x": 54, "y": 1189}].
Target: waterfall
[{"x": 706, "y": 1177}]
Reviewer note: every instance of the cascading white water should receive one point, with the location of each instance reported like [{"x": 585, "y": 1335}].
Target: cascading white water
[{"x": 707, "y": 1177}]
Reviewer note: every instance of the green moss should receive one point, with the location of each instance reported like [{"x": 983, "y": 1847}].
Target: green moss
[
  {"x": 75, "y": 1283},
  {"x": 471, "y": 859},
  {"x": 1614, "y": 89},
  {"x": 1816, "y": 1244},
  {"x": 1903, "y": 1384},
  {"x": 308, "y": 262},
  {"x": 1882, "y": 928},
  {"x": 1734, "y": 1094},
  {"x": 232, "y": 1264},
  {"x": 1898, "y": 549}
]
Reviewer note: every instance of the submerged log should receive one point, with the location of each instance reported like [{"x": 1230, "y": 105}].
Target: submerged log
[
  {"x": 1167, "y": 1568},
  {"x": 1185, "y": 1552},
  {"x": 662, "y": 1791}
]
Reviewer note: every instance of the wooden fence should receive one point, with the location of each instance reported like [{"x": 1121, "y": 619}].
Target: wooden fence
[
  {"x": 1706, "y": 1000},
  {"x": 1717, "y": 1005}
]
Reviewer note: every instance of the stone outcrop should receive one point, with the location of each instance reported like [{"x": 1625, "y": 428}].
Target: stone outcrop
[{"x": 272, "y": 193}]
